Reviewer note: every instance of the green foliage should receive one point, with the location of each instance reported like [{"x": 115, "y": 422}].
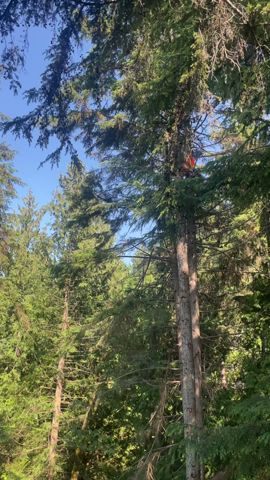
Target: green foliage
[
  {"x": 162, "y": 78},
  {"x": 29, "y": 311},
  {"x": 8, "y": 182}
]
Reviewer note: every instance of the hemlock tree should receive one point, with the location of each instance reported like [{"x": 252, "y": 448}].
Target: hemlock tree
[
  {"x": 176, "y": 64},
  {"x": 85, "y": 265},
  {"x": 29, "y": 315},
  {"x": 8, "y": 182},
  {"x": 232, "y": 271},
  {"x": 116, "y": 347}
]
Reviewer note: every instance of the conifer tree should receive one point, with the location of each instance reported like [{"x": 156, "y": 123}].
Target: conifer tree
[
  {"x": 81, "y": 234},
  {"x": 144, "y": 98},
  {"x": 29, "y": 311},
  {"x": 8, "y": 182}
]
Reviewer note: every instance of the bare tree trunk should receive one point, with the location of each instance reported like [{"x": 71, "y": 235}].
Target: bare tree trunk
[
  {"x": 195, "y": 319},
  {"x": 265, "y": 228},
  {"x": 183, "y": 312},
  {"x": 58, "y": 399},
  {"x": 224, "y": 376}
]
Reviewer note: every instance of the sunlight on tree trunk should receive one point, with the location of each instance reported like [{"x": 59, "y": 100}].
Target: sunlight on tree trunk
[
  {"x": 195, "y": 320},
  {"x": 58, "y": 398},
  {"x": 187, "y": 361}
]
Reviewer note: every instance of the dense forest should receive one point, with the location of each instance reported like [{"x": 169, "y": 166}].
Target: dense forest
[{"x": 135, "y": 340}]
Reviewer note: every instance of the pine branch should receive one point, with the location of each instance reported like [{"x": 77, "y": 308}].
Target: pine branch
[
  {"x": 236, "y": 10},
  {"x": 8, "y": 8}
]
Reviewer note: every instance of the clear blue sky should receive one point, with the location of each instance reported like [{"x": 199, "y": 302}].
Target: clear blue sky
[{"x": 42, "y": 181}]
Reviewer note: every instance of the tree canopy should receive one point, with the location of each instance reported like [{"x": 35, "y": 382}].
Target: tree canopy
[{"x": 155, "y": 369}]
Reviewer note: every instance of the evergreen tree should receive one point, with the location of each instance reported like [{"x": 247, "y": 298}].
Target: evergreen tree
[
  {"x": 151, "y": 92},
  {"x": 8, "y": 182},
  {"x": 29, "y": 311}
]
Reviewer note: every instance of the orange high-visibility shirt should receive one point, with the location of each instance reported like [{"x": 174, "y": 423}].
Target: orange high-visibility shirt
[{"x": 191, "y": 162}]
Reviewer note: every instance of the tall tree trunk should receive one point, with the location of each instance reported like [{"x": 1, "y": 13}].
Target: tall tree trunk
[
  {"x": 183, "y": 311},
  {"x": 265, "y": 227},
  {"x": 195, "y": 320},
  {"x": 58, "y": 398}
]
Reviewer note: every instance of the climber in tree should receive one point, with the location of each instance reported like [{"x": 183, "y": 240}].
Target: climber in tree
[{"x": 189, "y": 165}]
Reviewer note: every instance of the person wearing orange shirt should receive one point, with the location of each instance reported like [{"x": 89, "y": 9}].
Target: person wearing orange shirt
[{"x": 189, "y": 164}]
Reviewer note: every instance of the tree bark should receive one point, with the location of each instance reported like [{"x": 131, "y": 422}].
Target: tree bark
[
  {"x": 183, "y": 311},
  {"x": 225, "y": 475},
  {"x": 58, "y": 398},
  {"x": 195, "y": 321}
]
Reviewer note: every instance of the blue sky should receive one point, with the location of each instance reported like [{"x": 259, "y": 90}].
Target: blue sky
[{"x": 41, "y": 181}]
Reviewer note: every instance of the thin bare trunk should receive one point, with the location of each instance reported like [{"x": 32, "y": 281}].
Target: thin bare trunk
[
  {"x": 183, "y": 312},
  {"x": 195, "y": 319},
  {"x": 177, "y": 314},
  {"x": 265, "y": 226},
  {"x": 57, "y": 399},
  {"x": 224, "y": 376}
]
